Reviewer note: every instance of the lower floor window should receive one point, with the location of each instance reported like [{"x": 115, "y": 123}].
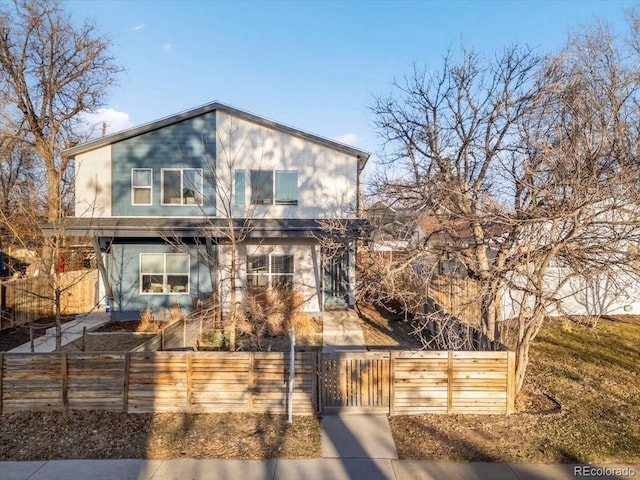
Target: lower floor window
[
  {"x": 164, "y": 273},
  {"x": 269, "y": 271}
]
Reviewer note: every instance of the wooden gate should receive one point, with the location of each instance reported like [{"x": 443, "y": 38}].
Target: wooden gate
[{"x": 355, "y": 382}]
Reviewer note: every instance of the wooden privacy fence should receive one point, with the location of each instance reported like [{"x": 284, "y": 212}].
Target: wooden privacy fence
[
  {"x": 412, "y": 382},
  {"x": 27, "y": 299},
  {"x": 396, "y": 382},
  {"x": 202, "y": 382},
  {"x": 458, "y": 296},
  {"x": 182, "y": 334}
]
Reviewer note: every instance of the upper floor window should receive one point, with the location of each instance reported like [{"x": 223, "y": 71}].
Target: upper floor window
[
  {"x": 286, "y": 187},
  {"x": 270, "y": 187},
  {"x": 239, "y": 188},
  {"x": 182, "y": 186},
  {"x": 164, "y": 273},
  {"x": 141, "y": 186},
  {"x": 269, "y": 271}
]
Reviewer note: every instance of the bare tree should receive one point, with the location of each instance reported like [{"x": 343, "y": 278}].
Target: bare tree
[
  {"x": 52, "y": 71},
  {"x": 532, "y": 158},
  {"x": 20, "y": 200}
]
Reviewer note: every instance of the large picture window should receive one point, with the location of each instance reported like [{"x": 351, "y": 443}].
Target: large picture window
[
  {"x": 141, "y": 186},
  {"x": 163, "y": 273},
  {"x": 182, "y": 186},
  {"x": 269, "y": 271},
  {"x": 269, "y": 187}
]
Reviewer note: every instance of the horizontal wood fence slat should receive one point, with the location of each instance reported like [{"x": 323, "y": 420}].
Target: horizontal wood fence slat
[{"x": 396, "y": 382}]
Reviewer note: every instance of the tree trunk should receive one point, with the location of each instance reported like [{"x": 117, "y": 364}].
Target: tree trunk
[
  {"x": 54, "y": 198},
  {"x": 489, "y": 314},
  {"x": 234, "y": 308}
]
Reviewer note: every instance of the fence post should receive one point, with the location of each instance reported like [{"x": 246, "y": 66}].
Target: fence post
[
  {"x": 1, "y": 377},
  {"x": 189, "y": 382},
  {"x": 450, "y": 382},
  {"x": 511, "y": 382},
  {"x": 65, "y": 382},
  {"x": 251, "y": 381},
  {"x": 314, "y": 381},
  {"x": 125, "y": 387},
  {"x": 392, "y": 379},
  {"x": 292, "y": 373}
]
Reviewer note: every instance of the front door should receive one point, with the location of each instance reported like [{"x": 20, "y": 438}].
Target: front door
[{"x": 335, "y": 282}]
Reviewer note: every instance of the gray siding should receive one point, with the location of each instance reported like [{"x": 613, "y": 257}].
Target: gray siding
[
  {"x": 188, "y": 144},
  {"x": 123, "y": 265}
]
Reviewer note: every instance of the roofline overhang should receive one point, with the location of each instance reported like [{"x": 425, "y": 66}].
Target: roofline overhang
[{"x": 362, "y": 155}]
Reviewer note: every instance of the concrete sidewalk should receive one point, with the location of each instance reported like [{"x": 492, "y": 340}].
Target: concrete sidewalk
[
  {"x": 70, "y": 331},
  {"x": 310, "y": 469}
]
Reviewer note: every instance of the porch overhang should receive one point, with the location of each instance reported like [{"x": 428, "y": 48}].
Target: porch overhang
[{"x": 215, "y": 228}]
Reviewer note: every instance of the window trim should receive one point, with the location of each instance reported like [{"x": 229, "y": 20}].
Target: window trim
[
  {"x": 182, "y": 197},
  {"x": 164, "y": 274},
  {"x": 134, "y": 187},
  {"x": 270, "y": 273}
]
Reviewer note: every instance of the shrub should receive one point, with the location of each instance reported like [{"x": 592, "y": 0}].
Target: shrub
[
  {"x": 147, "y": 324},
  {"x": 271, "y": 312}
]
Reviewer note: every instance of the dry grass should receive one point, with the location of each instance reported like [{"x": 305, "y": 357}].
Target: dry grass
[
  {"x": 147, "y": 323},
  {"x": 592, "y": 373}
]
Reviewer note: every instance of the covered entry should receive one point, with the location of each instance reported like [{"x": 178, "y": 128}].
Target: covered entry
[{"x": 335, "y": 278}]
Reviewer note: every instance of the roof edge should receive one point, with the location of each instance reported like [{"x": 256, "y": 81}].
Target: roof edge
[{"x": 207, "y": 108}]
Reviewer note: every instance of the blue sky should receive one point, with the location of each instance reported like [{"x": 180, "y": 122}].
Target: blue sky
[{"x": 311, "y": 65}]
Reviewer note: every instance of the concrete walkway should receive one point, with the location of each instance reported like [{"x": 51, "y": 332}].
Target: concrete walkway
[
  {"x": 341, "y": 332},
  {"x": 310, "y": 469},
  {"x": 364, "y": 436},
  {"x": 70, "y": 331}
]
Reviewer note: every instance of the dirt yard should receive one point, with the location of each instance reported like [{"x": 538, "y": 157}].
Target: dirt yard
[
  {"x": 45, "y": 436},
  {"x": 112, "y": 342},
  {"x": 15, "y": 336}
]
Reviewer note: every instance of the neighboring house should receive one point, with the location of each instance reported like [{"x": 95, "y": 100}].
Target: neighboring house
[
  {"x": 162, "y": 202},
  {"x": 578, "y": 296},
  {"x": 393, "y": 229}
]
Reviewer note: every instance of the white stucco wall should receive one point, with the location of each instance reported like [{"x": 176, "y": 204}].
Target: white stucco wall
[
  {"x": 585, "y": 297},
  {"x": 93, "y": 183},
  {"x": 327, "y": 178},
  {"x": 306, "y": 278}
]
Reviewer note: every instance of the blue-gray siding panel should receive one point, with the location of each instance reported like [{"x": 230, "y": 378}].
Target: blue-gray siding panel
[
  {"x": 188, "y": 144},
  {"x": 123, "y": 266}
]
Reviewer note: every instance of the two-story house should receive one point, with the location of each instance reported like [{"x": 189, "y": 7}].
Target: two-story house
[{"x": 176, "y": 205}]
